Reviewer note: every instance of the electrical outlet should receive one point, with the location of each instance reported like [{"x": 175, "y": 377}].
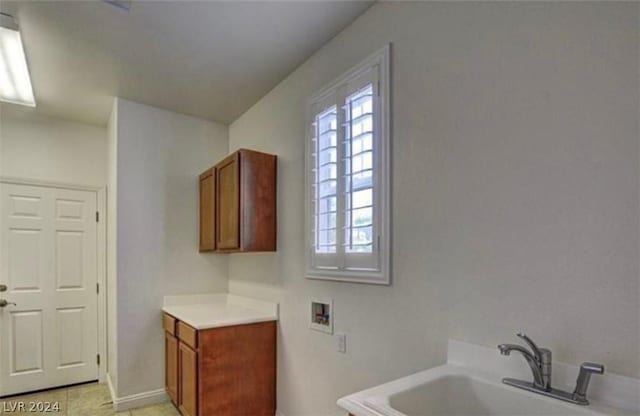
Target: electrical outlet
[{"x": 341, "y": 341}]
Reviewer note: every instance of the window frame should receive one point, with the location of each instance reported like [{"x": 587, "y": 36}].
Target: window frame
[{"x": 335, "y": 93}]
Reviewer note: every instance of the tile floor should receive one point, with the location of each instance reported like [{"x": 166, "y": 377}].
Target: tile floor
[{"x": 85, "y": 400}]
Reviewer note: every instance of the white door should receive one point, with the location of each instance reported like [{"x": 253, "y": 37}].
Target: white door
[{"x": 48, "y": 245}]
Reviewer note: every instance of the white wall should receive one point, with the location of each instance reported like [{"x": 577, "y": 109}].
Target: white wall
[
  {"x": 516, "y": 194},
  {"x": 159, "y": 157},
  {"x": 34, "y": 146}
]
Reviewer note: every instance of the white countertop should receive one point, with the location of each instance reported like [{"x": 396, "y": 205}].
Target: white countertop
[{"x": 219, "y": 309}]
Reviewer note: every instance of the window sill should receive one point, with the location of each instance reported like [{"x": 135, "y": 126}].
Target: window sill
[{"x": 371, "y": 278}]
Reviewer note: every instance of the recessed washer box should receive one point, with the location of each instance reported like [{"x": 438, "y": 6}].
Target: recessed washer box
[{"x": 321, "y": 315}]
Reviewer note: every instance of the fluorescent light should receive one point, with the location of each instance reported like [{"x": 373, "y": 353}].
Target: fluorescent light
[{"x": 15, "y": 83}]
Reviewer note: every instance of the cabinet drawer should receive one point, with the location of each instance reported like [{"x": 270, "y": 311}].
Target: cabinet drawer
[
  {"x": 188, "y": 335},
  {"x": 169, "y": 324}
]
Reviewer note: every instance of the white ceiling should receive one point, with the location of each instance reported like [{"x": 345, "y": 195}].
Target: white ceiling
[{"x": 208, "y": 59}]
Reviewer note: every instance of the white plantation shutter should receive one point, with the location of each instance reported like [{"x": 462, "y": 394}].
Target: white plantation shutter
[
  {"x": 348, "y": 173},
  {"x": 324, "y": 183}
]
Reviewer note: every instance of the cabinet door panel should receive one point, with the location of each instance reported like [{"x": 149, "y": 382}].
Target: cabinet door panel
[
  {"x": 188, "y": 391},
  {"x": 238, "y": 370},
  {"x": 228, "y": 203},
  {"x": 258, "y": 201},
  {"x": 207, "y": 210},
  {"x": 171, "y": 366}
]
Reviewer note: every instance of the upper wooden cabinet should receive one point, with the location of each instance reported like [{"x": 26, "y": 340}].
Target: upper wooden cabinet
[
  {"x": 244, "y": 211},
  {"x": 208, "y": 210}
]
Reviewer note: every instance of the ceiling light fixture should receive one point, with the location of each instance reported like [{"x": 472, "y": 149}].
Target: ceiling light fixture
[{"x": 15, "y": 82}]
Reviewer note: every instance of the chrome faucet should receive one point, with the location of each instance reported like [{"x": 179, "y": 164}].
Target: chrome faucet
[{"x": 539, "y": 360}]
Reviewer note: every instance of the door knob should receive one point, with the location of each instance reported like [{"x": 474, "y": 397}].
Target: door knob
[
  {"x": 4, "y": 303},
  {"x": 3, "y": 288}
]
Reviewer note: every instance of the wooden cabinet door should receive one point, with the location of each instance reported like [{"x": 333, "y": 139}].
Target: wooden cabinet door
[
  {"x": 258, "y": 226},
  {"x": 188, "y": 379},
  {"x": 228, "y": 203},
  {"x": 208, "y": 210},
  {"x": 238, "y": 370},
  {"x": 171, "y": 366}
]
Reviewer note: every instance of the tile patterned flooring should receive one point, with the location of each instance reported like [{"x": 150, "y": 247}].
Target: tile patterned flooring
[{"x": 85, "y": 400}]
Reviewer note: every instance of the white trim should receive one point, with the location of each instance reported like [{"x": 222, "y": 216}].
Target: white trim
[
  {"x": 102, "y": 282},
  {"x": 380, "y": 61},
  {"x": 112, "y": 389},
  {"x": 349, "y": 277},
  {"x": 121, "y": 404},
  {"x": 279, "y": 412},
  {"x": 381, "y": 56},
  {"x": 101, "y": 236},
  {"x": 135, "y": 400},
  {"x": 49, "y": 184}
]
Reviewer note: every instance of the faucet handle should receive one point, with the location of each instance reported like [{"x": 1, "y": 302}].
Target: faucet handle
[{"x": 532, "y": 345}]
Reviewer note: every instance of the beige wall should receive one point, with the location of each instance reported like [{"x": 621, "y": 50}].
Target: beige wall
[
  {"x": 159, "y": 156},
  {"x": 39, "y": 147},
  {"x": 516, "y": 194}
]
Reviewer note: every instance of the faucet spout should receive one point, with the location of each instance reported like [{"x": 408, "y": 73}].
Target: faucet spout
[{"x": 534, "y": 364}]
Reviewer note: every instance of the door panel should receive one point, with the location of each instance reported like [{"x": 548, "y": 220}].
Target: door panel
[
  {"x": 71, "y": 337},
  {"x": 26, "y": 342},
  {"x": 69, "y": 256},
  {"x": 228, "y": 203},
  {"x": 171, "y": 366},
  {"x": 69, "y": 210},
  {"x": 25, "y": 206},
  {"x": 48, "y": 259},
  {"x": 188, "y": 389},
  {"x": 24, "y": 260}
]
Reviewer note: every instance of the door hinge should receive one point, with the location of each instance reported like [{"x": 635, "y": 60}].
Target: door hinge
[
  {"x": 98, "y": 359},
  {"x": 97, "y": 287},
  {"x": 97, "y": 216}
]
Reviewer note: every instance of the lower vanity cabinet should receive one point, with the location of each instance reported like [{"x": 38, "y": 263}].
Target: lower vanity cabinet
[{"x": 225, "y": 371}]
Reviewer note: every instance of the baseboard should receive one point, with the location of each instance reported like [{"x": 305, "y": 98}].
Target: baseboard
[
  {"x": 112, "y": 390},
  {"x": 146, "y": 398},
  {"x": 140, "y": 399}
]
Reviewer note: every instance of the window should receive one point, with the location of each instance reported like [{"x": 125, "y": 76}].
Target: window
[{"x": 348, "y": 175}]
